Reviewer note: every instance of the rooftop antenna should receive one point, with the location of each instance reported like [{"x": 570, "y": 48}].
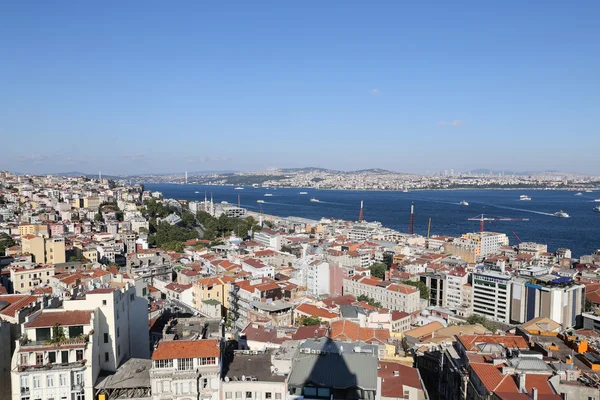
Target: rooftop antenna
[
  {"x": 360, "y": 215},
  {"x": 238, "y": 200},
  {"x": 411, "y": 220}
]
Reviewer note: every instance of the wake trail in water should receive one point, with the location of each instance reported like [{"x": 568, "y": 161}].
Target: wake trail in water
[
  {"x": 437, "y": 201},
  {"x": 338, "y": 204},
  {"x": 521, "y": 209}
]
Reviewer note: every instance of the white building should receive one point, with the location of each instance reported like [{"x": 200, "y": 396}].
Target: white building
[
  {"x": 317, "y": 278},
  {"x": 184, "y": 370},
  {"x": 268, "y": 238},
  {"x": 492, "y": 295},
  {"x": 122, "y": 324},
  {"x": 391, "y": 295},
  {"x": 251, "y": 375},
  {"x": 56, "y": 356}
]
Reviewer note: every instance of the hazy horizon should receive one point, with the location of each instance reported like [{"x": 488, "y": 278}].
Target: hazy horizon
[{"x": 140, "y": 88}]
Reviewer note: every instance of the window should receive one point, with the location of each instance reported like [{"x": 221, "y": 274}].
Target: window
[
  {"x": 248, "y": 395},
  {"x": 24, "y": 383},
  {"x": 185, "y": 364},
  {"x": 117, "y": 314},
  {"x": 62, "y": 379},
  {"x": 258, "y": 395},
  {"x": 79, "y": 378},
  {"x": 103, "y": 302},
  {"x": 132, "y": 297},
  {"x": 52, "y": 357},
  {"x": 207, "y": 361},
  {"x": 78, "y": 355},
  {"x": 50, "y": 381},
  {"x": 24, "y": 359},
  {"x": 80, "y": 396},
  {"x": 106, "y": 358},
  {"x": 278, "y": 396},
  {"x": 238, "y": 395},
  {"x": 64, "y": 356},
  {"x": 37, "y": 382},
  {"x": 204, "y": 383},
  {"x": 119, "y": 351},
  {"x": 163, "y": 364},
  {"x": 228, "y": 395},
  {"x": 106, "y": 338},
  {"x": 39, "y": 358},
  {"x": 118, "y": 332},
  {"x": 268, "y": 395}
]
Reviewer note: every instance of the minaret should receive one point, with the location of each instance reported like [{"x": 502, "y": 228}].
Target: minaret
[
  {"x": 186, "y": 181},
  {"x": 205, "y": 202},
  {"x": 212, "y": 205}
]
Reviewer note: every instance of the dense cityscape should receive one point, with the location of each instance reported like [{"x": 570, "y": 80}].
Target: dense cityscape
[
  {"x": 111, "y": 291},
  {"x": 378, "y": 179}
]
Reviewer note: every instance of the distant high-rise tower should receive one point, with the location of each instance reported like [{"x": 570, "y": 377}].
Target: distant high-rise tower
[{"x": 411, "y": 220}]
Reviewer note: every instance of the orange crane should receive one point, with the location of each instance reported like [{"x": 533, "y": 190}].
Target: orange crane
[
  {"x": 517, "y": 236},
  {"x": 482, "y": 218}
]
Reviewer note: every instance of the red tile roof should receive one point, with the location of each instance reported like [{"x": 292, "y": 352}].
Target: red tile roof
[
  {"x": 101, "y": 291},
  {"x": 512, "y": 342},
  {"x": 393, "y": 386},
  {"x": 315, "y": 311},
  {"x": 186, "y": 349},
  {"x": 16, "y": 302},
  {"x": 64, "y": 318},
  {"x": 592, "y": 292}
]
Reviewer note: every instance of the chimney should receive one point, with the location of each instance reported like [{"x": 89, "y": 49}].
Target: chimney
[
  {"x": 396, "y": 373},
  {"x": 522, "y": 382},
  {"x": 534, "y": 394}
]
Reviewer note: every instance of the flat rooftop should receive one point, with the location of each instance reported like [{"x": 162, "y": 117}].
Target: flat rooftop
[{"x": 248, "y": 366}]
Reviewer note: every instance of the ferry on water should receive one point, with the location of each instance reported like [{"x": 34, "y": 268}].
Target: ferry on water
[
  {"x": 578, "y": 194},
  {"x": 303, "y": 193},
  {"x": 464, "y": 203},
  {"x": 196, "y": 192},
  {"x": 561, "y": 214},
  {"x": 260, "y": 201},
  {"x": 597, "y": 200},
  {"x": 597, "y": 209},
  {"x": 239, "y": 188},
  {"x": 524, "y": 197},
  {"x": 268, "y": 194},
  {"x": 314, "y": 200}
]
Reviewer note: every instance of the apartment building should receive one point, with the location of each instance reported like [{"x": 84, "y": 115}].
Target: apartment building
[
  {"x": 318, "y": 278},
  {"x": 211, "y": 289},
  {"x": 33, "y": 229},
  {"x": 56, "y": 356},
  {"x": 257, "y": 268},
  {"x": 27, "y": 276},
  {"x": 487, "y": 242},
  {"x": 45, "y": 250},
  {"x": 183, "y": 369},
  {"x": 268, "y": 238},
  {"x": 549, "y": 296},
  {"x": 391, "y": 295},
  {"x": 122, "y": 324},
  {"x": 492, "y": 294},
  {"x": 437, "y": 288}
]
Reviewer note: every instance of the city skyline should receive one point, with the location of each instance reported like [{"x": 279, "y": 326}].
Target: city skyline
[{"x": 132, "y": 89}]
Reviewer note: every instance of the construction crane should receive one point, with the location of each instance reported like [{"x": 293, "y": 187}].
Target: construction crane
[
  {"x": 482, "y": 218},
  {"x": 517, "y": 236}
]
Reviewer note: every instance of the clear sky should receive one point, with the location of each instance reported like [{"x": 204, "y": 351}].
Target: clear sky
[{"x": 412, "y": 86}]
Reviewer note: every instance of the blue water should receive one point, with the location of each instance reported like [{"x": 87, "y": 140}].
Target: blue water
[{"x": 580, "y": 232}]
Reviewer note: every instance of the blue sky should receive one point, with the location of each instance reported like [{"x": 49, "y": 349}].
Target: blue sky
[{"x": 148, "y": 86}]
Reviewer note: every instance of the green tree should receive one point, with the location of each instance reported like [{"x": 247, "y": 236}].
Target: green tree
[
  {"x": 309, "y": 321},
  {"x": 425, "y": 292},
  {"x": 378, "y": 270},
  {"x": 369, "y": 300},
  {"x": 6, "y": 241},
  {"x": 486, "y": 323},
  {"x": 98, "y": 217}
]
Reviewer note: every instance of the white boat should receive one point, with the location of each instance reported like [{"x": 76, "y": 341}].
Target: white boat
[
  {"x": 239, "y": 188},
  {"x": 561, "y": 214},
  {"x": 464, "y": 203},
  {"x": 260, "y": 201},
  {"x": 303, "y": 193},
  {"x": 524, "y": 197},
  {"x": 196, "y": 192},
  {"x": 314, "y": 200},
  {"x": 597, "y": 209},
  {"x": 578, "y": 194},
  {"x": 405, "y": 191},
  {"x": 597, "y": 200},
  {"x": 268, "y": 194},
  {"x": 589, "y": 191}
]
